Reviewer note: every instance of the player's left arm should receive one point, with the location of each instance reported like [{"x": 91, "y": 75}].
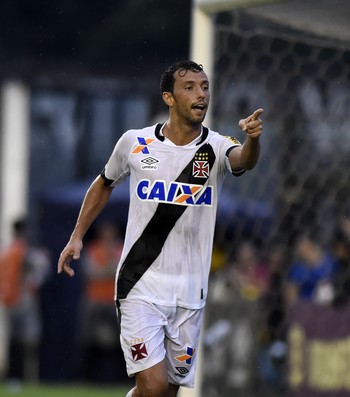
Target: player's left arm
[{"x": 246, "y": 156}]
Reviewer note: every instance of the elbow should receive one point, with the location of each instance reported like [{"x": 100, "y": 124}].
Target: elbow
[{"x": 250, "y": 165}]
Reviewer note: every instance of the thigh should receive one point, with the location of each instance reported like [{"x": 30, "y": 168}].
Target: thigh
[
  {"x": 182, "y": 341},
  {"x": 154, "y": 382},
  {"x": 141, "y": 335}
]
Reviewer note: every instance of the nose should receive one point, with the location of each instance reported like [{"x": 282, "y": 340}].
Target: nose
[{"x": 200, "y": 93}]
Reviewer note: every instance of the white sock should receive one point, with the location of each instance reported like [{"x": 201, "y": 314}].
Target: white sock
[{"x": 130, "y": 392}]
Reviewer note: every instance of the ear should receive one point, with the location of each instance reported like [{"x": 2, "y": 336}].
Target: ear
[{"x": 168, "y": 98}]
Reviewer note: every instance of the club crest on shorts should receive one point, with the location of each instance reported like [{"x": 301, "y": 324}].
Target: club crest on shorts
[
  {"x": 187, "y": 358},
  {"x": 139, "y": 351}
]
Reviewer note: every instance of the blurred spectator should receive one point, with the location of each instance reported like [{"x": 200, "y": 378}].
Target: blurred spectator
[
  {"x": 233, "y": 321},
  {"x": 23, "y": 269},
  {"x": 341, "y": 251},
  {"x": 311, "y": 275},
  {"x": 102, "y": 256},
  {"x": 273, "y": 353},
  {"x": 273, "y": 300},
  {"x": 4, "y": 335},
  {"x": 219, "y": 258},
  {"x": 247, "y": 274}
]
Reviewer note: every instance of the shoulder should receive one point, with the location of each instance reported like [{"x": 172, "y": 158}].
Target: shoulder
[
  {"x": 146, "y": 131},
  {"x": 223, "y": 138},
  {"x": 138, "y": 136},
  {"x": 222, "y": 144}
]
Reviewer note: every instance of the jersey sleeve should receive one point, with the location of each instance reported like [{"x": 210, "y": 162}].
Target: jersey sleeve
[
  {"x": 230, "y": 143},
  {"x": 117, "y": 168}
]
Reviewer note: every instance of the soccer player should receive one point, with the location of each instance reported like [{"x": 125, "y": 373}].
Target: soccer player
[{"x": 176, "y": 170}]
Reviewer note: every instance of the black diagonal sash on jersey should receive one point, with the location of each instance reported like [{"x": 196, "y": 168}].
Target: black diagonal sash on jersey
[{"x": 149, "y": 245}]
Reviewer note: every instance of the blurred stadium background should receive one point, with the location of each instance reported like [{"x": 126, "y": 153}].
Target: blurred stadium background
[{"x": 65, "y": 100}]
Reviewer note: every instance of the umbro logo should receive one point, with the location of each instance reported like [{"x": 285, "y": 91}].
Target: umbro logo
[
  {"x": 148, "y": 163},
  {"x": 182, "y": 372}
]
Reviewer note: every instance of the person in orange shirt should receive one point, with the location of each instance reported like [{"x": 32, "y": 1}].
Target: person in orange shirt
[
  {"x": 11, "y": 266},
  {"x": 103, "y": 254},
  {"x": 102, "y": 257},
  {"x": 11, "y": 270},
  {"x": 23, "y": 269}
]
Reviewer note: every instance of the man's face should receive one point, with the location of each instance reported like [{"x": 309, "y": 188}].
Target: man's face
[{"x": 190, "y": 97}]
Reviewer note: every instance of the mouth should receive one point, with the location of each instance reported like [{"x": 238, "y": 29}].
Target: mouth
[{"x": 200, "y": 106}]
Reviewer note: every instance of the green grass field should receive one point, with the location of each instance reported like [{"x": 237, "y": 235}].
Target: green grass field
[{"x": 63, "y": 391}]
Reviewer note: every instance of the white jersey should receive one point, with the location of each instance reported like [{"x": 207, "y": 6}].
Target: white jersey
[{"x": 173, "y": 199}]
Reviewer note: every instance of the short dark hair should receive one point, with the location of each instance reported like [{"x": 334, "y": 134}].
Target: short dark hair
[{"x": 167, "y": 80}]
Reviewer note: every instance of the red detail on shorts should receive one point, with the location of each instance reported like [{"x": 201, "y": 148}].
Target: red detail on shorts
[{"x": 139, "y": 351}]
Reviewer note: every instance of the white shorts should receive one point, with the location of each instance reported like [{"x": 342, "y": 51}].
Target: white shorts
[{"x": 151, "y": 333}]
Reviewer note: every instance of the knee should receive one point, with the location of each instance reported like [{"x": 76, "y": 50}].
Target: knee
[
  {"x": 157, "y": 388},
  {"x": 153, "y": 382}
]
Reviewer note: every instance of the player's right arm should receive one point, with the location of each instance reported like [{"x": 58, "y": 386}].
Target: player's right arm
[
  {"x": 95, "y": 200},
  {"x": 246, "y": 156}
]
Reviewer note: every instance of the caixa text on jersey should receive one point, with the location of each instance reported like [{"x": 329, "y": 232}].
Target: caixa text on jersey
[{"x": 175, "y": 192}]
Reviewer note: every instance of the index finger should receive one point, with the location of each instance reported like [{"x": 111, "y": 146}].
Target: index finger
[
  {"x": 256, "y": 114},
  {"x": 63, "y": 260}
]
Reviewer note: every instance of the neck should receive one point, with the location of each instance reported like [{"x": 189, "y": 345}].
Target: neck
[{"x": 181, "y": 135}]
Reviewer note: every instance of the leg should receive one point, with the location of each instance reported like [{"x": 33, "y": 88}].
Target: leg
[
  {"x": 181, "y": 344},
  {"x": 153, "y": 382},
  {"x": 142, "y": 341},
  {"x": 173, "y": 390}
]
